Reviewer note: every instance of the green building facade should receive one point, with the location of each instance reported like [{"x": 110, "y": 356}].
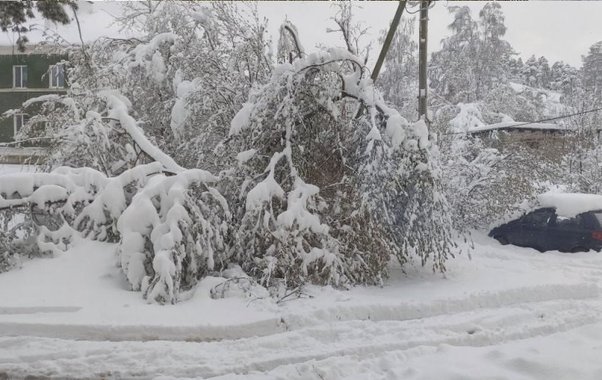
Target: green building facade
[{"x": 26, "y": 75}]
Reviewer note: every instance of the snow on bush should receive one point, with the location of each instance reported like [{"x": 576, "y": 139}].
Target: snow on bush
[
  {"x": 178, "y": 224},
  {"x": 171, "y": 229},
  {"x": 66, "y": 190},
  {"x": 40, "y": 209}
]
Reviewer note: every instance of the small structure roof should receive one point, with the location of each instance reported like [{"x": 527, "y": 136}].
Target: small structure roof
[{"x": 518, "y": 125}]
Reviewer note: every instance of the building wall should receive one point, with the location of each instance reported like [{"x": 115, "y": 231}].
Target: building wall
[{"x": 37, "y": 84}]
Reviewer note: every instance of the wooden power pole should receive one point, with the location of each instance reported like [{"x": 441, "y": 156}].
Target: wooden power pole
[
  {"x": 422, "y": 57},
  {"x": 392, "y": 29}
]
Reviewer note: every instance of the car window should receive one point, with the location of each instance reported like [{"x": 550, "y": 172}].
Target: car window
[
  {"x": 538, "y": 217},
  {"x": 598, "y": 216},
  {"x": 563, "y": 222}
]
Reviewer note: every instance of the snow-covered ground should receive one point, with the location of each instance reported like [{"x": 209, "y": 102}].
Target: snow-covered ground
[
  {"x": 10, "y": 169},
  {"x": 507, "y": 313}
]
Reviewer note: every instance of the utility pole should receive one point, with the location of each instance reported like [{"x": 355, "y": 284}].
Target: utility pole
[
  {"x": 422, "y": 57},
  {"x": 392, "y": 29},
  {"x": 385, "y": 49}
]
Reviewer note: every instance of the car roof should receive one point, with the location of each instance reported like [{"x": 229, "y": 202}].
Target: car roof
[{"x": 571, "y": 204}]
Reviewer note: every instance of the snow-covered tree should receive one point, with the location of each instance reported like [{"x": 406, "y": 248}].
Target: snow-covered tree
[
  {"x": 14, "y": 15},
  {"x": 531, "y": 72},
  {"x": 475, "y": 59},
  {"x": 173, "y": 233},
  {"x": 494, "y": 52},
  {"x": 451, "y": 69},
  {"x": 80, "y": 130},
  {"x": 545, "y": 72},
  {"x": 565, "y": 79},
  {"x": 504, "y": 100},
  {"x": 592, "y": 70},
  {"x": 516, "y": 67},
  {"x": 352, "y": 33},
  {"x": 316, "y": 181},
  {"x": 171, "y": 224}
]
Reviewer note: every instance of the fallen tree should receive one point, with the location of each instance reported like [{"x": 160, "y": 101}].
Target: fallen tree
[{"x": 317, "y": 180}]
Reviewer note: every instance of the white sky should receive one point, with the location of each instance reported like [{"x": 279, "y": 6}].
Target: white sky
[{"x": 559, "y": 30}]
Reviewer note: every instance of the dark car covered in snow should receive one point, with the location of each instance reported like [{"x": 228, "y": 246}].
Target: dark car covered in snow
[{"x": 568, "y": 223}]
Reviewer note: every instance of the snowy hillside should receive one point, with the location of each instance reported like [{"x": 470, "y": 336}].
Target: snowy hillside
[{"x": 508, "y": 313}]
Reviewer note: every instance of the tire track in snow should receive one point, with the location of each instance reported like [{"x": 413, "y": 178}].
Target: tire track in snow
[
  {"x": 290, "y": 322},
  {"x": 62, "y": 358},
  {"x": 117, "y": 333},
  {"x": 408, "y": 311},
  {"x": 38, "y": 309},
  {"x": 483, "y": 328}
]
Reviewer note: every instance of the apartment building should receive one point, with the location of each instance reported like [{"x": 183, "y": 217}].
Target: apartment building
[{"x": 25, "y": 75}]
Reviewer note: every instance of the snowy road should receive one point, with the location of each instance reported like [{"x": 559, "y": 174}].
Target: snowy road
[
  {"x": 508, "y": 313},
  {"x": 329, "y": 347}
]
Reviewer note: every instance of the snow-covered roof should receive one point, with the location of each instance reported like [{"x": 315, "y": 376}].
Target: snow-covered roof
[
  {"x": 517, "y": 125},
  {"x": 570, "y": 204}
]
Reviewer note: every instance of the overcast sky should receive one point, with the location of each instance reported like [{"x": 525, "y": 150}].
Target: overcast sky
[{"x": 559, "y": 30}]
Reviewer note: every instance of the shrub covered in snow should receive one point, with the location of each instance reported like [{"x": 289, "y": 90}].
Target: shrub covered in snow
[
  {"x": 17, "y": 238},
  {"x": 173, "y": 233},
  {"x": 171, "y": 229}
]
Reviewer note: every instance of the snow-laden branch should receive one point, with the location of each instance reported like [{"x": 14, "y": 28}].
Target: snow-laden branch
[
  {"x": 70, "y": 186},
  {"x": 118, "y": 109}
]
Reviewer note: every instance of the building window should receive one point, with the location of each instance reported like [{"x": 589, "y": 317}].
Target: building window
[
  {"x": 57, "y": 76},
  {"x": 19, "y": 120},
  {"x": 20, "y": 76}
]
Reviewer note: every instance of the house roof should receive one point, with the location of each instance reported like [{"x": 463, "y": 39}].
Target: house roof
[{"x": 518, "y": 125}]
